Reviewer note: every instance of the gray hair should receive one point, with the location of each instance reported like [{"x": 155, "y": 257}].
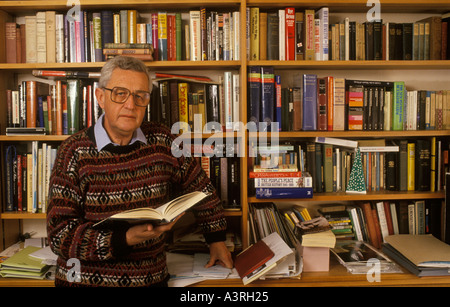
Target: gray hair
[{"x": 125, "y": 63}]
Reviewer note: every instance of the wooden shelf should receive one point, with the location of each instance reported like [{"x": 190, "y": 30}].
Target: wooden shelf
[
  {"x": 337, "y": 276},
  {"x": 22, "y": 216},
  {"x": 352, "y": 134},
  {"x": 62, "y": 5},
  {"x": 355, "y": 65},
  {"x": 370, "y": 196},
  {"x": 192, "y": 65},
  {"x": 360, "y": 6}
]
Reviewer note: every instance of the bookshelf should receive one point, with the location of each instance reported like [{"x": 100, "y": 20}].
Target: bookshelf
[{"x": 432, "y": 70}]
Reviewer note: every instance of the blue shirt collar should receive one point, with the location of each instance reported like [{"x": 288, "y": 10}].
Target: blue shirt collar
[{"x": 102, "y": 139}]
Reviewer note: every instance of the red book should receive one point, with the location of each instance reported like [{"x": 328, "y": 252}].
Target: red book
[
  {"x": 273, "y": 174},
  {"x": 290, "y": 33},
  {"x": 253, "y": 258},
  {"x": 34, "y": 89},
  {"x": 171, "y": 47},
  {"x": 10, "y": 41}
]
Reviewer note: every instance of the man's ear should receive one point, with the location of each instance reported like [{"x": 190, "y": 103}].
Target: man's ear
[{"x": 100, "y": 94}]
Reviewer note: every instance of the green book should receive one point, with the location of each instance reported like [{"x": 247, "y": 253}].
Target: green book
[
  {"x": 24, "y": 263},
  {"x": 73, "y": 105},
  {"x": 398, "y": 105}
]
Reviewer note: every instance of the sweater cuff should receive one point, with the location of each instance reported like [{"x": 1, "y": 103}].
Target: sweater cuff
[
  {"x": 217, "y": 236},
  {"x": 120, "y": 248}
]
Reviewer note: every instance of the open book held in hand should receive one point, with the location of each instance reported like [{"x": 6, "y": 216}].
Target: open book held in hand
[{"x": 157, "y": 216}]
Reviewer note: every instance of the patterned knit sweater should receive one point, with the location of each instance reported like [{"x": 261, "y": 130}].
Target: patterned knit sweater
[{"x": 87, "y": 186}]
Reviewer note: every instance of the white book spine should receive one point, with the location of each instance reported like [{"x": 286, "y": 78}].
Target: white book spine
[
  {"x": 236, "y": 102},
  {"x": 194, "y": 25},
  {"x": 236, "y": 36},
  {"x": 41, "y": 38},
  {"x": 31, "y": 39},
  {"x": 59, "y": 38},
  {"x": 282, "y": 34},
  {"x": 228, "y": 96}
]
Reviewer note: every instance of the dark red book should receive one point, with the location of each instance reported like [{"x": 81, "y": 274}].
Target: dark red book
[{"x": 252, "y": 258}]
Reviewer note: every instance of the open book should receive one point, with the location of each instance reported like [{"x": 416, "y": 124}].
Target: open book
[{"x": 161, "y": 215}]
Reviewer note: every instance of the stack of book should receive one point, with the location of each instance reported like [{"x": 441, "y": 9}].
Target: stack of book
[
  {"x": 277, "y": 173},
  {"x": 422, "y": 255},
  {"x": 339, "y": 219},
  {"x": 141, "y": 51},
  {"x": 23, "y": 265}
]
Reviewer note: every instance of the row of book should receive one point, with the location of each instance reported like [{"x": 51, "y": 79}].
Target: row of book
[
  {"x": 266, "y": 218},
  {"x": 202, "y": 105},
  {"x": 27, "y": 177},
  {"x": 297, "y": 34},
  {"x": 373, "y": 221},
  {"x": 60, "y": 109},
  {"x": 387, "y": 165},
  {"x": 334, "y": 103},
  {"x": 224, "y": 173},
  {"x": 53, "y": 37}
]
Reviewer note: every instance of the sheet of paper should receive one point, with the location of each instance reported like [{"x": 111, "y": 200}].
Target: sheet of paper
[{"x": 216, "y": 271}]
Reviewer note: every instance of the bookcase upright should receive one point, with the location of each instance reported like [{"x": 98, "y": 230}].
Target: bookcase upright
[{"x": 419, "y": 73}]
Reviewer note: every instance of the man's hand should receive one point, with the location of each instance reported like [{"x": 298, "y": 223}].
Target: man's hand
[
  {"x": 140, "y": 233},
  {"x": 220, "y": 254}
]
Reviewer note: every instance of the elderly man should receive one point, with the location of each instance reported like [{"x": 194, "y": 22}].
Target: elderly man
[{"x": 122, "y": 163}]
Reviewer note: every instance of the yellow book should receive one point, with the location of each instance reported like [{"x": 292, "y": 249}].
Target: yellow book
[
  {"x": 411, "y": 166},
  {"x": 162, "y": 36},
  {"x": 183, "y": 90},
  {"x": 254, "y": 33},
  {"x": 132, "y": 31},
  {"x": 116, "y": 27},
  {"x": 263, "y": 35},
  {"x": 50, "y": 21}
]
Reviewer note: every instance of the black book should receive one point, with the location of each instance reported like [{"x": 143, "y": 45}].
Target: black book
[
  {"x": 391, "y": 171},
  {"x": 377, "y": 40},
  {"x": 272, "y": 36},
  {"x": 398, "y": 53},
  {"x": 407, "y": 41},
  {"x": 422, "y": 165}
]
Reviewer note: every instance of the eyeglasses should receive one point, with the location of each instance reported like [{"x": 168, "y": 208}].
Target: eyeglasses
[{"x": 121, "y": 94}]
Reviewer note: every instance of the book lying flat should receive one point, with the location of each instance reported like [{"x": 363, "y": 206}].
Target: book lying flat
[
  {"x": 422, "y": 255},
  {"x": 22, "y": 265},
  {"x": 158, "y": 216}
]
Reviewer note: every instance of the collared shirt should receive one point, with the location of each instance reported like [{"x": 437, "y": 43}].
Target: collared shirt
[{"x": 102, "y": 139}]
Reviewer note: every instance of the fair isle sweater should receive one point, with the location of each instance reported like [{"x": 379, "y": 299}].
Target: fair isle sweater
[{"x": 88, "y": 185}]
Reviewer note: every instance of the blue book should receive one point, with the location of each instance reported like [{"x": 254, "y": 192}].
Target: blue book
[
  {"x": 107, "y": 27},
  {"x": 278, "y": 101},
  {"x": 309, "y": 102},
  {"x": 254, "y": 94},
  {"x": 41, "y": 112},
  {"x": 262, "y": 193},
  {"x": 267, "y": 97}
]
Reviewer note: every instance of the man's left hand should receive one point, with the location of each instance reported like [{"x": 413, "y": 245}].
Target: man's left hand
[{"x": 219, "y": 254}]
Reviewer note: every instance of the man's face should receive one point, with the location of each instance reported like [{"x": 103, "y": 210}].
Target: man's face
[{"x": 121, "y": 120}]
